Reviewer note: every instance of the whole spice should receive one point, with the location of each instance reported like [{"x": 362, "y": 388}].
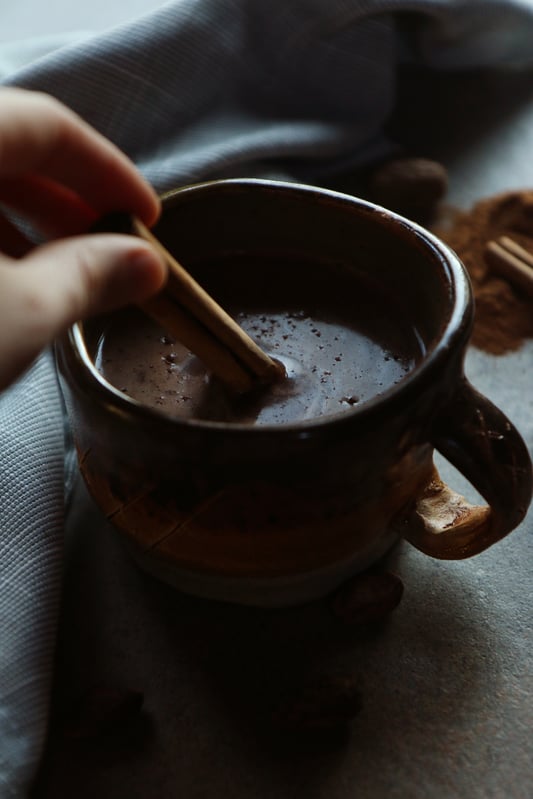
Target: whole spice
[
  {"x": 509, "y": 260},
  {"x": 412, "y": 187},
  {"x": 103, "y": 710},
  {"x": 319, "y": 705},
  {"x": 504, "y": 314},
  {"x": 367, "y": 598}
]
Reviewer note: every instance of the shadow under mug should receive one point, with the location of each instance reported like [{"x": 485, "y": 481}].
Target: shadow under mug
[{"x": 276, "y": 515}]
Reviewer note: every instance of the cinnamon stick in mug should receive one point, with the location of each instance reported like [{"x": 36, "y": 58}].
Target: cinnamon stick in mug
[{"x": 193, "y": 317}]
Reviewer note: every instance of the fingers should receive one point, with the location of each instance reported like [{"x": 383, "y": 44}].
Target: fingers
[
  {"x": 61, "y": 282},
  {"x": 60, "y": 175},
  {"x": 39, "y": 136},
  {"x": 53, "y": 210}
]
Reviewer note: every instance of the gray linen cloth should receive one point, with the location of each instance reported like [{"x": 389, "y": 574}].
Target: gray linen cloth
[{"x": 200, "y": 89}]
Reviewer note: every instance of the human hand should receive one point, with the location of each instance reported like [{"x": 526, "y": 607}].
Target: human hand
[{"x": 60, "y": 175}]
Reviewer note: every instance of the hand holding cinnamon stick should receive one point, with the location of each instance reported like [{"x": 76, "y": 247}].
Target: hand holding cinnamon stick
[{"x": 189, "y": 314}]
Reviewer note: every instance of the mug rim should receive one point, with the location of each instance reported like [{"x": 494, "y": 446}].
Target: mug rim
[{"x": 454, "y": 334}]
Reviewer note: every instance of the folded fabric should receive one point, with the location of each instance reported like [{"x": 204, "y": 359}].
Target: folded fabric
[
  {"x": 205, "y": 88},
  {"x": 31, "y": 537},
  {"x": 201, "y": 89}
]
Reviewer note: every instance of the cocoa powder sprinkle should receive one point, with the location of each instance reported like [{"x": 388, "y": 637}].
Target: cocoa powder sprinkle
[{"x": 503, "y": 315}]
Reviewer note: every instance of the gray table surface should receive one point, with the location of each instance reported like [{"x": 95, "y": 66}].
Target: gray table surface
[{"x": 447, "y": 683}]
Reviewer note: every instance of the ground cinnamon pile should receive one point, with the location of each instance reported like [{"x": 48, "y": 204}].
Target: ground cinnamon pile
[{"x": 504, "y": 315}]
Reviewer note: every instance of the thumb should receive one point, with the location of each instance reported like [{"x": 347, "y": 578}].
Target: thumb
[
  {"x": 74, "y": 278},
  {"x": 66, "y": 280}
]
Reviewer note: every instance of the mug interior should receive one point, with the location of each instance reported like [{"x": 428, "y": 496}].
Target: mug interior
[
  {"x": 269, "y": 218},
  {"x": 357, "y": 243}
]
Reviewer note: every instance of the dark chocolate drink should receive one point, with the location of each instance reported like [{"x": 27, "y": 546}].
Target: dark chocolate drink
[{"x": 342, "y": 342}]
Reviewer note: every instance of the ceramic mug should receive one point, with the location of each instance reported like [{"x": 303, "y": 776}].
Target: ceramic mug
[{"x": 278, "y": 514}]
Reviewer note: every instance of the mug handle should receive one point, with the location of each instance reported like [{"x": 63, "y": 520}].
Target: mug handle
[{"x": 479, "y": 440}]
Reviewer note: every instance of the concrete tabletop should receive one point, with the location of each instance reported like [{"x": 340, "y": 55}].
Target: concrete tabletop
[{"x": 446, "y": 684}]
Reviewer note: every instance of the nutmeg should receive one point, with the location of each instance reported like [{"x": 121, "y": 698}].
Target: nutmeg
[
  {"x": 102, "y": 710},
  {"x": 367, "y": 598},
  {"x": 412, "y": 187},
  {"x": 319, "y": 705}
]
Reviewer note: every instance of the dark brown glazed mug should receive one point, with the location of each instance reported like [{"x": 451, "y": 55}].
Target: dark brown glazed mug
[{"x": 281, "y": 514}]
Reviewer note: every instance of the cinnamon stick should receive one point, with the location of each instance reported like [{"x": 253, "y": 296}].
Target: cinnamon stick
[
  {"x": 183, "y": 327},
  {"x": 512, "y": 261},
  {"x": 188, "y": 313},
  {"x": 194, "y": 299}
]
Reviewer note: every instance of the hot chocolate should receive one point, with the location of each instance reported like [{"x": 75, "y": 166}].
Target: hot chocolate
[{"x": 341, "y": 344}]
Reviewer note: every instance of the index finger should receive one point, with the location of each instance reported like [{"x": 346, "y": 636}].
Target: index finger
[{"x": 40, "y": 136}]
